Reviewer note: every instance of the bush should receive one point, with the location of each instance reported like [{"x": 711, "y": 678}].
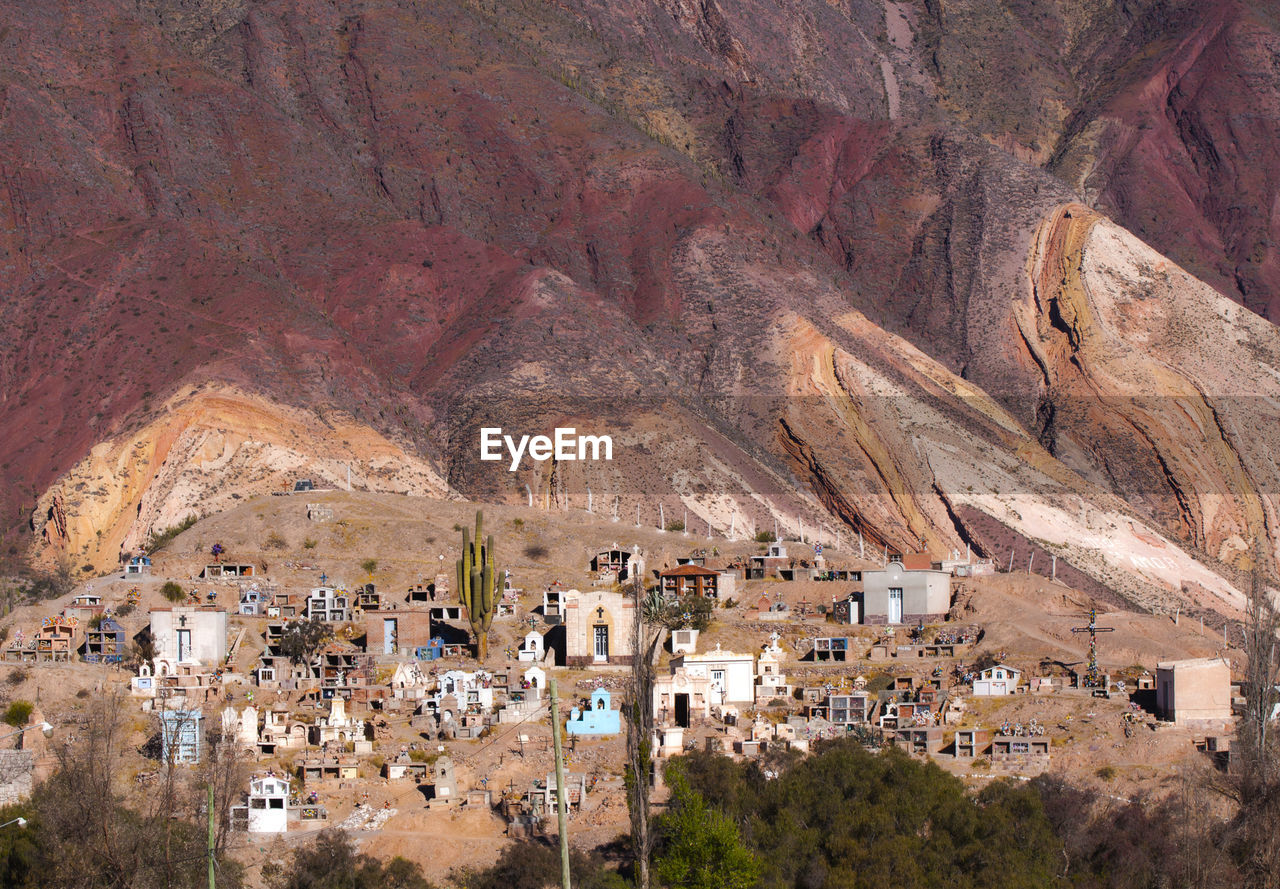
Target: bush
[
  {"x": 302, "y": 638},
  {"x": 124, "y": 610},
  {"x": 765, "y": 537},
  {"x": 20, "y": 861},
  {"x": 368, "y": 566},
  {"x": 536, "y": 551},
  {"x": 18, "y": 713},
  {"x": 1106, "y": 773},
  {"x": 17, "y": 677},
  {"x": 692, "y": 611},
  {"x": 275, "y": 541},
  {"x": 677, "y": 525},
  {"x": 332, "y": 862},
  {"x": 536, "y": 865},
  {"x": 172, "y": 590},
  {"x": 846, "y": 817},
  {"x": 309, "y": 543},
  {"x": 158, "y": 540},
  {"x": 700, "y": 847}
]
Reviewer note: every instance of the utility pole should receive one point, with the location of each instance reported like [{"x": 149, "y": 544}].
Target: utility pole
[
  {"x": 211, "y": 837},
  {"x": 561, "y": 792}
]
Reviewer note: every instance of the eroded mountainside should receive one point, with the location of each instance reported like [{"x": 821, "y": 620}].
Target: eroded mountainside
[{"x": 846, "y": 264}]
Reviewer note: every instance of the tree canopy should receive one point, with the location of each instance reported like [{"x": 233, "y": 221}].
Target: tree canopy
[
  {"x": 302, "y": 638},
  {"x": 847, "y": 819}
]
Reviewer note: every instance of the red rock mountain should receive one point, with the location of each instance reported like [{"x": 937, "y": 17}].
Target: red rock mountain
[{"x": 913, "y": 270}]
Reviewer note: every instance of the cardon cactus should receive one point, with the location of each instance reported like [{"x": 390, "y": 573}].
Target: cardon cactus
[{"x": 477, "y": 575}]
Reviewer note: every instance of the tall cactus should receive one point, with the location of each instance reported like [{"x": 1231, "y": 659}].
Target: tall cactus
[{"x": 477, "y": 575}]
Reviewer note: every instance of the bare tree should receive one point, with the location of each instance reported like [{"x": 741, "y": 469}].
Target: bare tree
[
  {"x": 654, "y": 617},
  {"x": 639, "y": 710},
  {"x": 1254, "y": 782},
  {"x": 226, "y": 768},
  {"x": 105, "y": 827}
]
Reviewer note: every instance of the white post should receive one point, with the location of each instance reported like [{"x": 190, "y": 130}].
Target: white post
[
  {"x": 637, "y": 515},
  {"x": 662, "y": 518},
  {"x": 686, "y": 523},
  {"x": 528, "y": 490},
  {"x": 862, "y": 547},
  {"x": 1030, "y": 560},
  {"x": 1010, "y": 561},
  {"x": 590, "y": 501},
  {"x": 1055, "y": 567}
]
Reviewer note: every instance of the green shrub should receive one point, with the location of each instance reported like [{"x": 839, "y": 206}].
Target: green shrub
[
  {"x": 172, "y": 590},
  {"x": 765, "y": 537},
  {"x": 701, "y": 847},
  {"x": 18, "y": 713},
  {"x": 846, "y": 817},
  {"x": 158, "y": 540}
]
